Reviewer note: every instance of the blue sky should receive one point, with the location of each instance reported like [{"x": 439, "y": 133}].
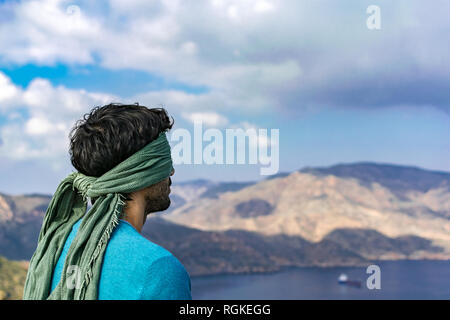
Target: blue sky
[
  {"x": 121, "y": 82},
  {"x": 337, "y": 91}
]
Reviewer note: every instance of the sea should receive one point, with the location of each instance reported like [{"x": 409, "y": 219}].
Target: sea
[{"x": 398, "y": 280}]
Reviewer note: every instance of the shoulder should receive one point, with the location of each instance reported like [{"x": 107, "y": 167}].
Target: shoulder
[
  {"x": 166, "y": 279},
  {"x": 126, "y": 241},
  {"x": 137, "y": 268},
  {"x": 150, "y": 258}
]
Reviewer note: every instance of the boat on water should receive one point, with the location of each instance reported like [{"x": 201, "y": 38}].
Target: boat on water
[{"x": 344, "y": 280}]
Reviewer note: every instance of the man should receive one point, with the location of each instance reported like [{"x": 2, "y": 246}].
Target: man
[{"x": 124, "y": 166}]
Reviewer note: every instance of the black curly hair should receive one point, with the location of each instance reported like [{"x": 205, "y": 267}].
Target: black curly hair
[{"x": 108, "y": 135}]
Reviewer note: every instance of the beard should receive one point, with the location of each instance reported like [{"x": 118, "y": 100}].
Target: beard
[
  {"x": 161, "y": 202},
  {"x": 155, "y": 205},
  {"x": 157, "y": 198}
]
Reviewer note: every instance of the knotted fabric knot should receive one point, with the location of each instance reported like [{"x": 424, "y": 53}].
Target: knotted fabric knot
[{"x": 83, "y": 183}]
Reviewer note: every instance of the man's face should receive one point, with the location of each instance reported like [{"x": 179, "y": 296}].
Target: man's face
[{"x": 157, "y": 196}]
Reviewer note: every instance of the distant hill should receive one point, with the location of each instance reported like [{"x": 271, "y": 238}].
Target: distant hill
[
  {"x": 394, "y": 201},
  {"x": 340, "y": 215},
  {"x": 398, "y": 179},
  {"x": 20, "y": 223},
  {"x": 235, "y": 251},
  {"x": 238, "y": 251},
  {"x": 12, "y": 279},
  {"x": 344, "y": 215}
]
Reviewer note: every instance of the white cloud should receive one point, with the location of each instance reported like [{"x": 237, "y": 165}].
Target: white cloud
[
  {"x": 8, "y": 91},
  {"x": 38, "y": 126},
  {"x": 41, "y": 126},
  {"x": 254, "y": 55},
  {"x": 233, "y": 12},
  {"x": 51, "y": 113},
  {"x": 262, "y": 141},
  {"x": 59, "y": 100},
  {"x": 211, "y": 119},
  {"x": 157, "y": 36},
  {"x": 237, "y": 9},
  {"x": 263, "y": 6},
  {"x": 189, "y": 47},
  {"x": 46, "y": 32}
]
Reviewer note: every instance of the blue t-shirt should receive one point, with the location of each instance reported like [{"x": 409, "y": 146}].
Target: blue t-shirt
[{"x": 134, "y": 268}]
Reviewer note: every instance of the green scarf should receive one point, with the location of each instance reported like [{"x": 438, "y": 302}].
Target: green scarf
[{"x": 150, "y": 165}]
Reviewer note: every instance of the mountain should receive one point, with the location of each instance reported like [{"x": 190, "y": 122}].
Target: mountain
[
  {"x": 20, "y": 223},
  {"x": 394, "y": 201},
  {"x": 344, "y": 215},
  {"x": 236, "y": 251},
  {"x": 340, "y": 215},
  {"x": 398, "y": 179}
]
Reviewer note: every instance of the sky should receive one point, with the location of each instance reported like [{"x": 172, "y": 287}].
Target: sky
[{"x": 338, "y": 91}]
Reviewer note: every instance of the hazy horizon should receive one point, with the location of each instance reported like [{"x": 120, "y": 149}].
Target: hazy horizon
[{"x": 175, "y": 181}]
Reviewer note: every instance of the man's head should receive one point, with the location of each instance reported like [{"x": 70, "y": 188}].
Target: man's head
[{"x": 110, "y": 134}]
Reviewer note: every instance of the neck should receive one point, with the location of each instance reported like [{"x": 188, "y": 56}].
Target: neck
[{"x": 135, "y": 213}]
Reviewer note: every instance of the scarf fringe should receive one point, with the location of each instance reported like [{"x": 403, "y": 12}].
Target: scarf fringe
[{"x": 104, "y": 239}]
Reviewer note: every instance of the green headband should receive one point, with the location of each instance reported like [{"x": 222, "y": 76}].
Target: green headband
[{"x": 150, "y": 165}]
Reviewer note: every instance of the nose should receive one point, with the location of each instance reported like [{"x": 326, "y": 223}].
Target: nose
[{"x": 173, "y": 171}]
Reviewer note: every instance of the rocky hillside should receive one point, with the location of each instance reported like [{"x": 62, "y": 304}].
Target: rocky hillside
[
  {"x": 239, "y": 251},
  {"x": 400, "y": 180},
  {"x": 20, "y": 222},
  {"x": 321, "y": 216},
  {"x": 394, "y": 201}
]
